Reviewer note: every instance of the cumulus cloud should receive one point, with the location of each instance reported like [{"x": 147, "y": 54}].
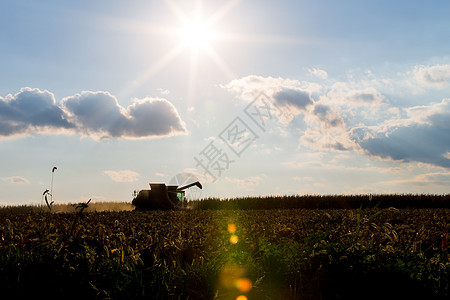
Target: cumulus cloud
[
  {"x": 317, "y": 139},
  {"x": 322, "y": 74},
  {"x": 122, "y": 176},
  {"x": 249, "y": 87},
  {"x": 293, "y": 98},
  {"x": 99, "y": 114},
  {"x": 31, "y": 110},
  {"x": 96, "y": 114},
  {"x": 347, "y": 95},
  {"x": 328, "y": 117},
  {"x": 423, "y": 137},
  {"x": 427, "y": 113},
  {"x": 356, "y": 116},
  {"x": 433, "y": 76}
]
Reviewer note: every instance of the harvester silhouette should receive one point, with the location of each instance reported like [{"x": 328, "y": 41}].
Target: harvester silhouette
[{"x": 161, "y": 196}]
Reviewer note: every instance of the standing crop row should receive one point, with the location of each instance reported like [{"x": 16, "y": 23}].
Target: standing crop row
[{"x": 280, "y": 254}]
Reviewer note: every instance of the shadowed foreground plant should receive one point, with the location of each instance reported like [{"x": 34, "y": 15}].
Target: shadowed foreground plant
[
  {"x": 48, "y": 192},
  {"x": 51, "y": 185},
  {"x": 81, "y": 207},
  {"x": 49, "y": 205}
]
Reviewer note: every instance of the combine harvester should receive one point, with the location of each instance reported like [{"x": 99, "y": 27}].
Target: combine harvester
[{"x": 161, "y": 196}]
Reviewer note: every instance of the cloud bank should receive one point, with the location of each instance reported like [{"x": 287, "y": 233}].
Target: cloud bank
[
  {"x": 358, "y": 117},
  {"x": 95, "y": 114},
  {"x": 432, "y": 76},
  {"x": 423, "y": 137},
  {"x": 29, "y": 111}
]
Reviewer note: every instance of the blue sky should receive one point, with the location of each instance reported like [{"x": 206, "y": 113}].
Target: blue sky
[{"x": 252, "y": 97}]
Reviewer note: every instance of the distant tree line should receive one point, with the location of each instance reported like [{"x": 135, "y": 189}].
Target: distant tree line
[{"x": 326, "y": 202}]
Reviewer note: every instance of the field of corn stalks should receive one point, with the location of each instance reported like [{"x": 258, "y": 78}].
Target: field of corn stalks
[{"x": 377, "y": 253}]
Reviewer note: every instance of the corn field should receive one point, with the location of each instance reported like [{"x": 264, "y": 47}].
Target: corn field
[{"x": 377, "y": 253}]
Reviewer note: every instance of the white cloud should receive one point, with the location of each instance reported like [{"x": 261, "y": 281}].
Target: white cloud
[
  {"x": 434, "y": 178},
  {"x": 249, "y": 87},
  {"x": 96, "y": 114},
  {"x": 163, "y": 91},
  {"x": 356, "y": 116},
  {"x": 31, "y": 111},
  {"x": 322, "y": 74},
  {"x": 246, "y": 183},
  {"x": 122, "y": 176},
  {"x": 423, "y": 137},
  {"x": 329, "y": 118},
  {"x": 447, "y": 155},
  {"x": 423, "y": 113},
  {"x": 432, "y": 76},
  {"x": 16, "y": 179},
  {"x": 331, "y": 140},
  {"x": 347, "y": 94},
  {"x": 291, "y": 97}
]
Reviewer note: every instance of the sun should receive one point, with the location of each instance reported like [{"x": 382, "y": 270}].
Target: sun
[
  {"x": 196, "y": 34},
  {"x": 195, "y": 31}
]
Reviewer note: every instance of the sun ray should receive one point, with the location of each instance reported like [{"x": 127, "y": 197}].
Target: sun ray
[
  {"x": 195, "y": 34},
  {"x": 223, "y": 10},
  {"x": 179, "y": 13},
  {"x": 193, "y": 70},
  {"x": 220, "y": 63},
  {"x": 153, "y": 69},
  {"x": 262, "y": 38}
]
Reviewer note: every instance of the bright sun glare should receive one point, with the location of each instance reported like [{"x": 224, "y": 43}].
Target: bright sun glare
[{"x": 196, "y": 34}]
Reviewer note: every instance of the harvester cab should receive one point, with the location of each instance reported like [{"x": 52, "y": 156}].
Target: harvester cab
[{"x": 161, "y": 196}]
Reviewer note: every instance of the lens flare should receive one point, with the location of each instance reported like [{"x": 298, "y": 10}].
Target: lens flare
[
  {"x": 231, "y": 228},
  {"x": 234, "y": 239},
  {"x": 229, "y": 274},
  {"x": 244, "y": 285}
]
